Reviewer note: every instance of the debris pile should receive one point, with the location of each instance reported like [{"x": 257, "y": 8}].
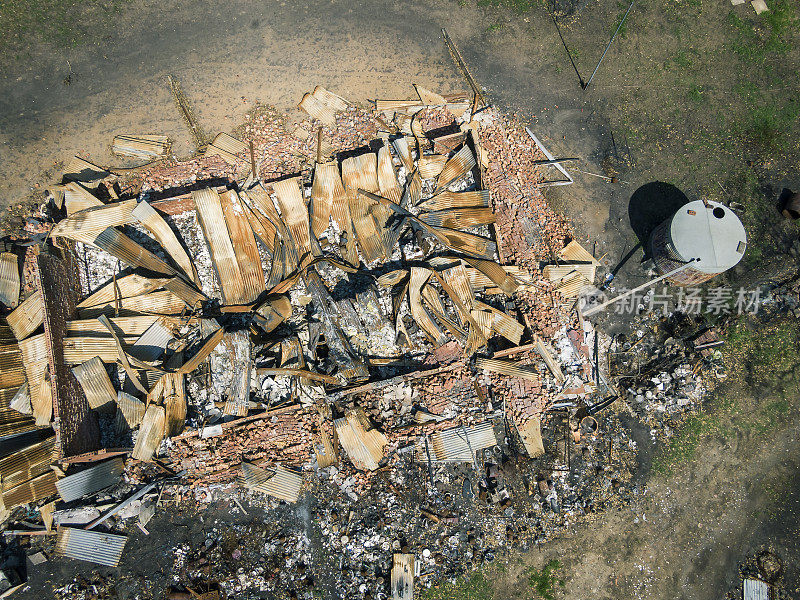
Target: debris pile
[{"x": 371, "y": 314}]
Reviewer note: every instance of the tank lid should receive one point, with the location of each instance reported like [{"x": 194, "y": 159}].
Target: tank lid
[{"x": 713, "y": 234}]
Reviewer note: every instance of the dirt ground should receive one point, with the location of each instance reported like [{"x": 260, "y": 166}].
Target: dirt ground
[{"x": 694, "y": 93}]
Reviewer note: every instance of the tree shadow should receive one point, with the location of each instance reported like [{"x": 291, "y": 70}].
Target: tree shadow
[{"x": 651, "y": 205}]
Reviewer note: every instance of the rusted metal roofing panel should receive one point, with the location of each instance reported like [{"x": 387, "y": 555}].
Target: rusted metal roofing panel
[
  {"x": 152, "y": 220},
  {"x": 403, "y": 577},
  {"x": 85, "y": 224},
  {"x": 497, "y": 274},
  {"x": 29, "y": 491},
  {"x": 77, "y": 350},
  {"x": 152, "y": 343},
  {"x": 457, "y": 444},
  {"x": 447, "y": 200},
  {"x": 227, "y": 147},
  {"x": 151, "y": 432},
  {"x": 223, "y": 254},
  {"x": 361, "y": 172},
  {"x": 419, "y": 277},
  {"x": 140, "y": 146},
  {"x": 96, "y": 384},
  {"x": 91, "y": 480},
  {"x": 119, "y": 245},
  {"x": 572, "y": 285},
  {"x": 27, "y": 317},
  {"x": 458, "y": 166},
  {"x": 9, "y": 279},
  {"x": 125, "y": 326},
  {"x": 130, "y": 411},
  {"x": 507, "y": 367},
  {"x": 557, "y": 273},
  {"x": 364, "y": 445},
  {"x": 124, "y": 287},
  {"x": 318, "y": 110},
  {"x": 91, "y": 546},
  {"x": 387, "y": 176},
  {"x": 280, "y": 483},
  {"x": 459, "y": 218},
  {"x": 294, "y": 211},
  {"x": 77, "y": 197},
  {"x": 328, "y": 98},
  {"x": 244, "y": 242},
  {"x": 12, "y": 370},
  {"x": 404, "y": 152},
  {"x": 328, "y": 199},
  {"x": 430, "y": 165},
  {"x": 27, "y": 463},
  {"x": 577, "y": 253},
  {"x": 162, "y": 302}
]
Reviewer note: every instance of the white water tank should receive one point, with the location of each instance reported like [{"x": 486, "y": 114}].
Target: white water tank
[{"x": 708, "y": 232}]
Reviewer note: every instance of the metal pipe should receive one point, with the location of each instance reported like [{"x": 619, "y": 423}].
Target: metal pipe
[{"x": 611, "y": 41}]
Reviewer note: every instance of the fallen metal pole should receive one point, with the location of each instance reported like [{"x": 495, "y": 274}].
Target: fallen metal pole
[
  {"x": 556, "y": 164},
  {"x": 127, "y": 501},
  {"x": 611, "y": 41},
  {"x": 599, "y": 307}
]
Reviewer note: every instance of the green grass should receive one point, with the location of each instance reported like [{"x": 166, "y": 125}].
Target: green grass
[
  {"x": 757, "y": 38},
  {"x": 518, "y": 6},
  {"x": 544, "y": 583},
  {"x": 474, "y": 587},
  {"x": 765, "y": 364},
  {"x": 494, "y": 27},
  {"x": 64, "y": 23}
]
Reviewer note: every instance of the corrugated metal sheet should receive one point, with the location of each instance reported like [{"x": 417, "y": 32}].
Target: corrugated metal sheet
[
  {"x": 294, "y": 211},
  {"x": 281, "y": 483},
  {"x": 152, "y": 343},
  {"x": 328, "y": 198},
  {"x": 509, "y": 328},
  {"x": 458, "y": 166},
  {"x": 119, "y": 245},
  {"x": 387, "y": 176},
  {"x": 223, "y": 254},
  {"x": 27, "y": 317},
  {"x": 96, "y": 384},
  {"x": 572, "y": 285},
  {"x": 227, "y": 147},
  {"x": 140, "y": 146},
  {"x": 91, "y": 546},
  {"x": 364, "y": 446},
  {"x": 328, "y": 98},
  {"x": 151, "y": 432},
  {"x": 447, "y": 200},
  {"x": 404, "y": 152},
  {"x": 130, "y": 411},
  {"x": 497, "y": 274},
  {"x": 428, "y": 97},
  {"x": 27, "y": 463},
  {"x": 186, "y": 292},
  {"x": 162, "y": 302},
  {"x": 152, "y": 220},
  {"x": 361, "y": 172},
  {"x": 12, "y": 371},
  {"x": 77, "y": 197},
  {"x": 30, "y": 491},
  {"x": 755, "y": 589},
  {"x": 457, "y": 444},
  {"x": 507, "y": 367},
  {"x": 323, "y": 105},
  {"x": 459, "y": 218},
  {"x": 403, "y": 577},
  {"x": 419, "y": 277},
  {"x": 80, "y": 349},
  {"x": 125, "y": 326},
  {"x": 20, "y": 402},
  {"x": 577, "y": 253},
  {"x": 90, "y": 480},
  {"x": 85, "y": 224},
  {"x": 244, "y": 242},
  {"x": 531, "y": 435},
  {"x": 431, "y": 165},
  {"x": 124, "y": 287},
  {"x": 556, "y": 273},
  {"x": 9, "y": 279}
]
